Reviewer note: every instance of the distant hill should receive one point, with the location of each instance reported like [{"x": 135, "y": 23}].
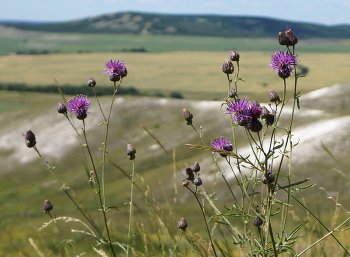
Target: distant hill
[{"x": 198, "y": 25}]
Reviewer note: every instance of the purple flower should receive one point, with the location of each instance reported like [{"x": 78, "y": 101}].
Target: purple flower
[
  {"x": 283, "y": 62},
  {"x": 115, "y": 69},
  {"x": 244, "y": 111},
  {"x": 222, "y": 143},
  {"x": 79, "y": 105}
]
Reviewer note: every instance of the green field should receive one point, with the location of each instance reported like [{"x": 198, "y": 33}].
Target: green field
[
  {"x": 195, "y": 75},
  {"x": 14, "y": 40}
]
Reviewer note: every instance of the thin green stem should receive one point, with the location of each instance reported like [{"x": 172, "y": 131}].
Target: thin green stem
[
  {"x": 98, "y": 102},
  {"x": 131, "y": 204}
]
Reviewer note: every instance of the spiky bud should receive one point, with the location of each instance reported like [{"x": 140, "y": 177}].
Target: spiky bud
[
  {"x": 91, "y": 82},
  {"x": 29, "y": 139},
  {"x": 47, "y": 206},
  {"x": 234, "y": 56},
  {"x": 189, "y": 174},
  {"x": 196, "y": 167},
  {"x": 197, "y": 182},
  {"x": 130, "y": 151},
  {"x": 274, "y": 97},
  {"x": 185, "y": 183},
  {"x": 283, "y": 39},
  {"x": 188, "y": 116},
  {"x": 61, "y": 108},
  {"x": 293, "y": 40},
  {"x": 257, "y": 221},
  {"x": 182, "y": 224},
  {"x": 232, "y": 93},
  {"x": 270, "y": 177},
  {"x": 227, "y": 67}
]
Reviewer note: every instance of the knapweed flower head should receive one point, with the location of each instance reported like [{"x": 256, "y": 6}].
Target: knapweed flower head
[
  {"x": 115, "y": 70},
  {"x": 283, "y": 62},
  {"x": 222, "y": 143},
  {"x": 244, "y": 111},
  {"x": 79, "y": 105}
]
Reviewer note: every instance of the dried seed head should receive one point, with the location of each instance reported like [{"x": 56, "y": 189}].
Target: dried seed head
[
  {"x": 182, "y": 224},
  {"x": 47, "y": 206},
  {"x": 257, "y": 221},
  {"x": 91, "y": 82},
  {"x": 227, "y": 67},
  {"x": 130, "y": 151}
]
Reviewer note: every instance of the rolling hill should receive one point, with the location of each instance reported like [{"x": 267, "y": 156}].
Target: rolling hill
[{"x": 194, "y": 25}]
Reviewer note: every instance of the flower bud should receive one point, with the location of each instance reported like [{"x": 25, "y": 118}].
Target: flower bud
[
  {"x": 293, "y": 40},
  {"x": 257, "y": 221},
  {"x": 61, "y": 108},
  {"x": 197, "y": 182},
  {"x": 47, "y": 206},
  {"x": 270, "y": 177},
  {"x": 29, "y": 138},
  {"x": 188, "y": 116},
  {"x": 274, "y": 97},
  {"x": 234, "y": 56},
  {"x": 185, "y": 183},
  {"x": 227, "y": 67},
  {"x": 189, "y": 174},
  {"x": 232, "y": 93},
  {"x": 182, "y": 224},
  {"x": 91, "y": 82},
  {"x": 130, "y": 151},
  {"x": 283, "y": 39},
  {"x": 196, "y": 167}
]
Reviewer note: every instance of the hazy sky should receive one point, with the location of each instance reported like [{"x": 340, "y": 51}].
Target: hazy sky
[{"x": 328, "y": 12}]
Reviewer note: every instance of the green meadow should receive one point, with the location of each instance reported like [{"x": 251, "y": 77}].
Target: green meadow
[
  {"x": 188, "y": 65},
  {"x": 196, "y": 75}
]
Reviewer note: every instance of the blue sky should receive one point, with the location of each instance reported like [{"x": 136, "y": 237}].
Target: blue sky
[{"x": 328, "y": 12}]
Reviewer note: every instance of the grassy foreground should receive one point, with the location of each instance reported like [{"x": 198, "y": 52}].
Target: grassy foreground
[{"x": 196, "y": 75}]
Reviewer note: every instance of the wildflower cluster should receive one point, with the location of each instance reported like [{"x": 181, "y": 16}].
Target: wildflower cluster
[{"x": 115, "y": 69}]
